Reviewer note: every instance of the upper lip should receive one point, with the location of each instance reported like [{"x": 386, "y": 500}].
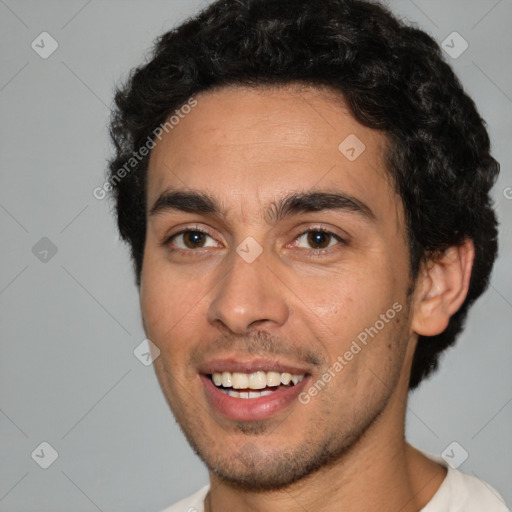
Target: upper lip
[{"x": 236, "y": 364}]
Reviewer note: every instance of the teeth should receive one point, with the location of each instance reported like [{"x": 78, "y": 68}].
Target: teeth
[
  {"x": 286, "y": 378},
  {"x": 246, "y": 394},
  {"x": 240, "y": 380},
  {"x": 297, "y": 378},
  {"x": 256, "y": 380},
  {"x": 273, "y": 379},
  {"x": 226, "y": 379}
]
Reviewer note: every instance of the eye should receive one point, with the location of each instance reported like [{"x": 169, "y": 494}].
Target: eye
[
  {"x": 318, "y": 239},
  {"x": 190, "y": 239}
]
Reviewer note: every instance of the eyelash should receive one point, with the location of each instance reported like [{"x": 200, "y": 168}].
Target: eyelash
[{"x": 314, "y": 252}]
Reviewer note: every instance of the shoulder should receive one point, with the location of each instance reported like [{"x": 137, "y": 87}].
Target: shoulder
[
  {"x": 461, "y": 492},
  {"x": 192, "y": 503},
  {"x": 473, "y": 494}
]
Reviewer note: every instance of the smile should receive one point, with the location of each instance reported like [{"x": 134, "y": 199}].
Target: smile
[
  {"x": 253, "y": 385},
  {"x": 256, "y": 396}
]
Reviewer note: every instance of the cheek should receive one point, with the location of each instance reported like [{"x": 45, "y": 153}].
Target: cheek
[
  {"x": 168, "y": 301},
  {"x": 344, "y": 312},
  {"x": 352, "y": 299}
]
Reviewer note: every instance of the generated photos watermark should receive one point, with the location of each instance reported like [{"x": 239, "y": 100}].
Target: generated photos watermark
[
  {"x": 356, "y": 346},
  {"x": 137, "y": 156}
]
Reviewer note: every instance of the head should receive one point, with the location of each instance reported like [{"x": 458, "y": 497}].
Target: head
[{"x": 303, "y": 252}]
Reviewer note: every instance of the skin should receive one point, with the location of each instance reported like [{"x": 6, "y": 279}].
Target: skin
[{"x": 345, "y": 449}]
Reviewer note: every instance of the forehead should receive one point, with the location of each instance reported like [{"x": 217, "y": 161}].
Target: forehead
[{"x": 251, "y": 146}]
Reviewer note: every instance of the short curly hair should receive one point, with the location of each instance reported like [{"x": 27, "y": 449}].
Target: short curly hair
[{"x": 393, "y": 78}]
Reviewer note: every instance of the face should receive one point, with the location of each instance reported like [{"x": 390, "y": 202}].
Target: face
[{"x": 275, "y": 281}]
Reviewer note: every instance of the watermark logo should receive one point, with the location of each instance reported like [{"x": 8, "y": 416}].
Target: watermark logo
[
  {"x": 454, "y": 45},
  {"x": 44, "y": 455},
  {"x": 249, "y": 250},
  {"x": 44, "y": 250},
  {"x": 351, "y": 147},
  {"x": 146, "y": 352},
  {"x": 454, "y": 454},
  {"x": 44, "y": 45}
]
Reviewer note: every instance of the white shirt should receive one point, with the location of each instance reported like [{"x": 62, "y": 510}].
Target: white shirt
[{"x": 458, "y": 493}]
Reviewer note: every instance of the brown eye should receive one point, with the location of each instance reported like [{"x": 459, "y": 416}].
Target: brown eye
[
  {"x": 317, "y": 239},
  {"x": 191, "y": 239}
]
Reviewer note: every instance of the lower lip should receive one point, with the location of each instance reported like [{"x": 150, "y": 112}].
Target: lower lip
[{"x": 251, "y": 409}]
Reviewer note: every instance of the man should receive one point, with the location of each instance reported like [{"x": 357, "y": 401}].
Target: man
[{"x": 304, "y": 188}]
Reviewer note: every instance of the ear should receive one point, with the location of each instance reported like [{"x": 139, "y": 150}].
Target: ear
[{"x": 441, "y": 288}]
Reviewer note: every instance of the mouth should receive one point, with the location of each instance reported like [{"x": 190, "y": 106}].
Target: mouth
[
  {"x": 254, "y": 385},
  {"x": 252, "y": 391}
]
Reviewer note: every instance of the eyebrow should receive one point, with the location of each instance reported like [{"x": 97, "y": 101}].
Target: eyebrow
[{"x": 292, "y": 204}]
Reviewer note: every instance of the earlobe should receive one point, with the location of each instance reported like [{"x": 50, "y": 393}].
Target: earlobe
[{"x": 441, "y": 288}]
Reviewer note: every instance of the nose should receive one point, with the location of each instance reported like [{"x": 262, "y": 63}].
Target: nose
[{"x": 251, "y": 294}]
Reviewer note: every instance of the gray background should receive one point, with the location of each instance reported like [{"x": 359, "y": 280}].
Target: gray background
[{"x": 69, "y": 325}]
